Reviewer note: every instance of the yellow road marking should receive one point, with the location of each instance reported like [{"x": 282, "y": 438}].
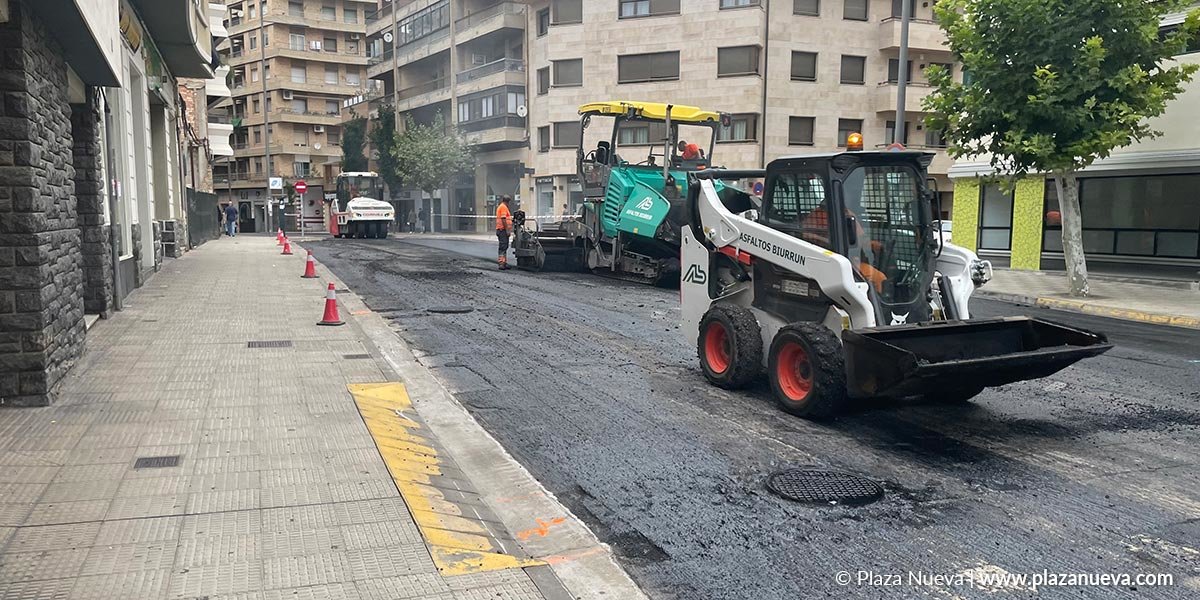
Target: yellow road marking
[{"x": 458, "y": 544}]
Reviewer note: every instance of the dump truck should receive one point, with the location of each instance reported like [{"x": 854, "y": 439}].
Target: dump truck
[
  {"x": 840, "y": 287},
  {"x": 358, "y": 211},
  {"x": 632, "y": 212}
]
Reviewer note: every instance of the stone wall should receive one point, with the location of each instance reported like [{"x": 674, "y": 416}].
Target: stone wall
[
  {"x": 90, "y": 205},
  {"x": 41, "y": 283},
  {"x": 139, "y": 261}
]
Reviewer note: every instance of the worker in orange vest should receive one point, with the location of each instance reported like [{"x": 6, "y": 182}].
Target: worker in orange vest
[{"x": 504, "y": 226}]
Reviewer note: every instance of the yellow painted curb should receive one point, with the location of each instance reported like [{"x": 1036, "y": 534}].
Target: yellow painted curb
[
  {"x": 458, "y": 544},
  {"x": 1119, "y": 313}
]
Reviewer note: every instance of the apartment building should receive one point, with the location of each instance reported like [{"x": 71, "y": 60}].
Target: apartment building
[
  {"x": 464, "y": 60},
  {"x": 309, "y": 56},
  {"x": 798, "y": 76}
]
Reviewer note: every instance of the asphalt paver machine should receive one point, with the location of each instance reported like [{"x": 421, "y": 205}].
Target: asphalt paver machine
[{"x": 839, "y": 286}]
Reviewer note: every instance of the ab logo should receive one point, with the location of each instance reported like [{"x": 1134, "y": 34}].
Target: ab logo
[
  {"x": 646, "y": 204},
  {"x": 695, "y": 275}
]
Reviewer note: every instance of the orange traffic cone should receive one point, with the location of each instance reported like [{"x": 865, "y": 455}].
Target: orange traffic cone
[
  {"x": 279, "y": 237},
  {"x": 287, "y": 247},
  {"x": 310, "y": 267},
  {"x": 331, "y": 317}
]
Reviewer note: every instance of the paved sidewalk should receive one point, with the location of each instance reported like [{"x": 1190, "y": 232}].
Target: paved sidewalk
[
  {"x": 279, "y": 490},
  {"x": 1164, "y": 303}
]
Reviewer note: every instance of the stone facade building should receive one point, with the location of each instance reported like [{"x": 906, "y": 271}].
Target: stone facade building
[{"x": 66, "y": 64}]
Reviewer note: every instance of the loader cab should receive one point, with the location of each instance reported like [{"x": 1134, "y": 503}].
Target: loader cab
[
  {"x": 871, "y": 207},
  {"x": 358, "y": 185},
  {"x": 651, "y": 143}
]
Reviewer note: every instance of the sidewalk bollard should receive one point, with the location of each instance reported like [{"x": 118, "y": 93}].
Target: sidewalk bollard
[
  {"x": 287, "y": 247},
  {"x": 331, "y": 317},
  {"x": 310, "y": 267}
]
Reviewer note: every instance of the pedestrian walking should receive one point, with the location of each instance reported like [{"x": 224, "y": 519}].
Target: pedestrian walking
[
  {"x": 423, "y": 215},
  {"x": 412, "y": 220},
  {"x": 503, "y": 231},
  {"x": 231, "y": 217}
]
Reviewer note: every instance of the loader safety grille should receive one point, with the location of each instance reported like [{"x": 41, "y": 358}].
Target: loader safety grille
[{"x": 815, "y": 486}]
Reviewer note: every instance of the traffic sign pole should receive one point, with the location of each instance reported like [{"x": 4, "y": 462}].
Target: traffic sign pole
[{"x": 300, "y": 186}]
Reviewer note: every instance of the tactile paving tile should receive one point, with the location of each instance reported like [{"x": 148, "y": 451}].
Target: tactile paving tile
[
  {"x": 291, "y": 495},
  {"x": 245, "y": 480},
  {"x": 234, "y": 523},
  {"x": 22, "y": 492},
  {"x": 46, "y": 564},
  {"x": 426, "y": 586},
  {"x": 153, "y": 486},
  {"x": 299, "y": 518},
  {"x": 300, "y": 571},
  {"x": 204, "y": 550},
  {"x": 372, "y": 511},
  {"x": 80, "y": 490},
  {"x": 223, "y": 501},
  {"x": 146, "y": 506},
  {"x": 52, "y": 589},
  {"x": 127, "y": 584},
  {"x": 29, "y": 474},
  {"x": 390, "y": 561},
  {"x": 51, "y": 537},
  {"x": 300, "y": 542},
  {"x": 508, "y": 591},
  {"x": 98, "y": 472},
  {"x": 488, "y": 579},
  {"x": 131, "y": 531},
  {"x": 214, "y": 580},
  {"x": 14, "y": 513},
  {"x": 383, "y": 533},
  {"x": 150, "y": 556},
  {"x": 288, "y": 477},
  {"x": 67, "y": 512}
]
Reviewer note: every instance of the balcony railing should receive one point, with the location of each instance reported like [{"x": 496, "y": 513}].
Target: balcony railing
[
  {"x": 496, "y": 122},
  {"x": 491, "y": 12},
  {"x": 380, "y": 58},
  {"x": 425, "y": 88},
  {"x": 311, "y": 113},
  {"x": 498, "y": 66}
]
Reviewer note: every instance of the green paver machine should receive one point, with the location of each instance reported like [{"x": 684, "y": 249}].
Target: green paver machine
[{"x": 633, "y": 208}]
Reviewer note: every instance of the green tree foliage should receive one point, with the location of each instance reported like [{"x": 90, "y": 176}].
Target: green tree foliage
[
  {"x": 430, "y": 156},
  {"x": 383, "y": 140},
  {"x": 1053, "y": 85},
  {"x": 354, "y": 138}
]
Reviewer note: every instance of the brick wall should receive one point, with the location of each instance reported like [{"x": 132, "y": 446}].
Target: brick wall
[
  {"x": 41, "y": 283},
  {"x": 90, "y": 200}
]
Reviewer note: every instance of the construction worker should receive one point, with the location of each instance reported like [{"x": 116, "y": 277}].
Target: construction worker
[
  {"x": 504, "y": 227},
  {"x": 689, "y": 151}
]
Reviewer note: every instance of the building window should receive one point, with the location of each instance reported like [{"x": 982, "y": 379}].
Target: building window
[
  {"x": 330, "y": 44},
  {"x": 253, "y": 42},
  {"x": 299, "y": 75},
  {"x": 995, "y": 218},
  {"x": 804, "y": 66},
  {"x": 889, "y": 132},
  {"x": 333, "y": 135},
  {"x": 647, "y": 8},
  {"x": 333, "y": 107},
  {"x": 566, "y": 134},
  {"x": 565, "y": 12},
  {"x": 353, "y": 79},
  {"x": 296, "y": 9},
  {"x": 296, "y": 41},
  {"x": 258, "y": 165},
  {"x": 742, "y": 128},
  {"x": 299, "y": 105},
  {"x": 800, "y": 131},
  {"x": 949, "y": 67},
  {"x": 657, "y": 66},
  {"x": 741, "y": 60},
  {"x": 738, "y": 3},
  {"x": 257, "y": 104},
  {"x": 254, "y": 75},
  {"x": 423, "y": 23},
  {"x": 894, "y": 71},
  {"x": 854, "y": 10},
  {"x": 328, "y": 13},
  {"x": 898, "y": 8},
  {"x": 634, "y": 133},
  {"x": 847, "y": 127},
  {"x": 854, "y": 69},
  {"x": 1146, "y": 215},
  {"x": 543, "y": 22},
  {"x": 935, "y": 138},
  {"x": 544, "y": 139},
  {"x": 331, "y": 75},
  {"x": 809, "y": 8},
  {"x": 543, "y": 81},
  {"x": 568, "y": 73},
  {"x": 300, "y": 169},
  {"x": 350, "y": 15}
]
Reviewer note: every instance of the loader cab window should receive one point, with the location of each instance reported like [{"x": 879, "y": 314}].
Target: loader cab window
[
  {"x": 891, "y": 250},
  {"x": 797, "y": 203}
]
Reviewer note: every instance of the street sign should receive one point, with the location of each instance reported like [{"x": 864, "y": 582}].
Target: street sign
[
  {"x": 276, "y": 183},
  {"x": 301, "y": 186}
]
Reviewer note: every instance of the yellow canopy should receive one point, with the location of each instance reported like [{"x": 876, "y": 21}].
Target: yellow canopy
[{"x": 655, "y": 111}]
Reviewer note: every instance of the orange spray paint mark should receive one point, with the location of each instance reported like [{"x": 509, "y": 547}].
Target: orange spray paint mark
[{"x": 541, "y": 530}]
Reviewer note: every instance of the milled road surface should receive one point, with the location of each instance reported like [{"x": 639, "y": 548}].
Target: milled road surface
[{"x": 593, "y": 387}]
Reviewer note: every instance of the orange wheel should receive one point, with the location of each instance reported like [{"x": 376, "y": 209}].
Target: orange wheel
[
  {"x": 716, "y": 347},
  {"x": 794, "y": 372},
  {"x": 729, "y": 345},
  {"x": 807, "y": 370}
]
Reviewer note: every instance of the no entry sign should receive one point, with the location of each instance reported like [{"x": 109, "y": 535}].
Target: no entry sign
[{"x": 301, "y": 187}]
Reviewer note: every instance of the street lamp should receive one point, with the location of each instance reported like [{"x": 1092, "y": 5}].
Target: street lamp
[{"x": 898, "y": 135}]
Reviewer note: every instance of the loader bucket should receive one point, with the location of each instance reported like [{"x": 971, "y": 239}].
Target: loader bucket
[{"x": 911, "y": 360}]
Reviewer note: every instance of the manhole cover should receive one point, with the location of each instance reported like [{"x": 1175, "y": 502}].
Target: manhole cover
[
  {"x": 814, "y": 486},
  {"x": 270, "y": 344},
  {"x": 450, "y": 310},
  {"x": 156, "y": 462},
  {"x": 355, "y": 356}
]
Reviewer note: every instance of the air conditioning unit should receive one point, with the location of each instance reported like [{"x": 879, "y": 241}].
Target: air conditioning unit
[
  {"x": 319, "y": 128},
  {"x": 353, "y": 37},
  {"x": 478, "y": 59},
  {"x": 287, "y": 94}
]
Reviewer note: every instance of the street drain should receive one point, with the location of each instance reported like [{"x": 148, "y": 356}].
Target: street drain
[
  {"x": 355, "y": 356},
  {"x": 270, "y": 344},
  {"x": 156, "y": 462},
  {"x": 450, "y": 310},
  {"x": 813, "y": 486}
]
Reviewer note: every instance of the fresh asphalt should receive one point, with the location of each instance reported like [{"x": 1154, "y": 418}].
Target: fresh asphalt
[{"x": 591, "y": 384}]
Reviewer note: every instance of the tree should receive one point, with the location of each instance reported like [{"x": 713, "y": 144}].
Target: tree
[
  {"x": 1050, "y": 86},
  {"x": 431, "y": 156},
  {"x": 354, "y": 138},
  {"x": 383, "y": 139}
]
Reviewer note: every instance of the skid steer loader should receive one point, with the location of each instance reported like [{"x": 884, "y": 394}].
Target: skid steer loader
[{"x": 840, "y": 287}]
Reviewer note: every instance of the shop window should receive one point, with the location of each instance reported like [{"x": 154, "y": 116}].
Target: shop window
[
  {"x": 995, "y": 218},
  {"x": 1153, "y": 215}
]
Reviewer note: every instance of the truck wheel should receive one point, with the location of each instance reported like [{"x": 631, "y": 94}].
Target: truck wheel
[
  {"x": 807, "y": 370},
  {"x": 383, "y": 231},
  {"x": 730, "y": 346}
]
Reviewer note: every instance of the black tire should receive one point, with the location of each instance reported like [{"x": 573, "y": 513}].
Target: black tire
[
  {"x": 961, "y": 395},
  {"x": 807, "y": 370},
  {"x": 729, "y": 344},
  {"x": 383, "y": 231}
]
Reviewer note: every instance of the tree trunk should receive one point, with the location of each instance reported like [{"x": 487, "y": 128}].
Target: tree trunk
[{"x": 1072, "y": 232}]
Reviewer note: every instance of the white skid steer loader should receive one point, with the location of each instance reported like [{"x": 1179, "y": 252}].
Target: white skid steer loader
[{"x": 841, "y": 287}]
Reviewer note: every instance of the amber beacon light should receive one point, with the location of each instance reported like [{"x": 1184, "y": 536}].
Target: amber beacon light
[{"x": 854, "y": 142}]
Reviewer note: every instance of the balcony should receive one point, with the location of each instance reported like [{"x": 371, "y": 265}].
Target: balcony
[
  {"x": 312, "y": 117},
  {"x": 481, "y": 77},
  {"x": 506, "y": 15},
  {"x": 923, "y": 35},
  {"x": 423, "y": 94},
  {"x": 885, "y": 97},
  {"x": 495, "y": 133}
]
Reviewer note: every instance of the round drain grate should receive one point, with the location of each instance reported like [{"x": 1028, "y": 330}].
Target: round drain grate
[
  {"x": 813, "y": 486},
  {"x": 450, "y": 310}
]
